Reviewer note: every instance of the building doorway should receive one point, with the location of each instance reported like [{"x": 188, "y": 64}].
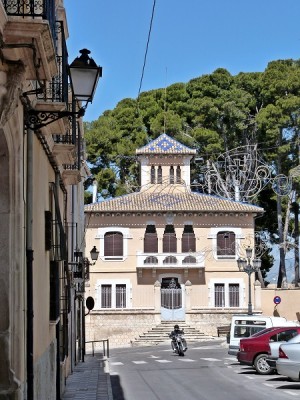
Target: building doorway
[{"x": 172, "y": 300}]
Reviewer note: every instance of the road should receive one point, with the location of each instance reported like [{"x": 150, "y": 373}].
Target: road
[{"x": 206, "y": 372}]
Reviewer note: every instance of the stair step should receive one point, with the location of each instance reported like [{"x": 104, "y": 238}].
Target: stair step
[{"x": 160, "y": 333}]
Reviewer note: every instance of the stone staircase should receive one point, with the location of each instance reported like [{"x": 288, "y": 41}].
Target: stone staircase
[{"x": 160, "y": 334}]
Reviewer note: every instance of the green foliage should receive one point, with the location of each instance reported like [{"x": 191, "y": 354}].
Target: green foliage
[{"x": 213, "y": 113}]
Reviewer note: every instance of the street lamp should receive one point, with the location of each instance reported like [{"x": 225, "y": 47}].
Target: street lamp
[
  {"x": 84, "y": 75},
  {"x": 244, "y": 265},
  {"x": 94, "y": 254}
]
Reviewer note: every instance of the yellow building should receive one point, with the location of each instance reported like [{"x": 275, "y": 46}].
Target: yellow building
[
  {"x": 166, "y": 253},
  {"x": 42, "y": 165}
]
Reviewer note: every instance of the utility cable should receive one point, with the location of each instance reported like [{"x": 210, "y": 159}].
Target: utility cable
[{"x": 147, "y": 46}]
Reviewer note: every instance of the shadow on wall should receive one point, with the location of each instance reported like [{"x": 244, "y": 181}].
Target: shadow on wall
[{"x": 275, "y": 312}]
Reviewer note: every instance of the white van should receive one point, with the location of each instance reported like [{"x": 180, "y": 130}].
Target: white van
[{"x": 246, "y": 325}]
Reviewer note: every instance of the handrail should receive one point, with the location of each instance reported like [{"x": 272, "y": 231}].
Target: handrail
[{"x": 105, "y": 344}]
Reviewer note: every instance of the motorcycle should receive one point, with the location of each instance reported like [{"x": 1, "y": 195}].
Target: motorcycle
[{"x": 178, "y": 343}]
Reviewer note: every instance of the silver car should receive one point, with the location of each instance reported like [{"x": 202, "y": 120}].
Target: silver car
[
  {"x": 288, "y": 363},
  {"x": 274, "y": 348}
]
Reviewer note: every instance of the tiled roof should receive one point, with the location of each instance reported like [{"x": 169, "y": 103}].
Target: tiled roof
[
  {"x": 165, "y": 144},
  {"x": 168, "y": 201}
]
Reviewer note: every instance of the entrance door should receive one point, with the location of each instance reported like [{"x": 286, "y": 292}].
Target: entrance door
[{"x": 172, "y": 307}]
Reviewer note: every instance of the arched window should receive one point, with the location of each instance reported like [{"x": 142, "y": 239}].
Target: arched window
[
  {"x": 150, "y": 240},
  {"x": 159, "y": 174},
  {"x": 151, "y": 260},
  {"x": 170, "y": 260},
  {"x": 113, "y": 245},
  {"x": 152, "y": 174},
  {"x": 188, "y": 241},
  {"x": 171, "y": 174},
  {"x": 169, "y": 240},
  {"x": 226, "y": 244},
  {"x": 178, "y": 174}
]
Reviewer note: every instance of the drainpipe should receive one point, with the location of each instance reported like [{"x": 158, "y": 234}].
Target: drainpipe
[{"x": 29, "y": 264}]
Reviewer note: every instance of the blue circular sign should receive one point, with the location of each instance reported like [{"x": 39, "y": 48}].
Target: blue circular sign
[{"x": 277, "y": 299}]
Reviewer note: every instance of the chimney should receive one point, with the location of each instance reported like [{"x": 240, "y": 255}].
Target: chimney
[{"x": 95, "y": 189}]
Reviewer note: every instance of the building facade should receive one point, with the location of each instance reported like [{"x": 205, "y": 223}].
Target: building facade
[
  {"x": 42, "y": 164},
  {"x": 165, "y": 252}
]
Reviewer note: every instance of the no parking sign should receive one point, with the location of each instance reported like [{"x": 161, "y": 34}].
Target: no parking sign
[{"x": 277, "y": 300}]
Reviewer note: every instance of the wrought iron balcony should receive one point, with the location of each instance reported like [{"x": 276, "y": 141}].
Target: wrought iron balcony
[{"x": 32, "y": 8}]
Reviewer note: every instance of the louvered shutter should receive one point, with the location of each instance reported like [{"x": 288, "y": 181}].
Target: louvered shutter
[
  {"x": 113, "y": 244},
  {"x": 188, "y": 240},
  {"x": 226, "y": 244},
  {"x": 150, "y": 240},
  {"x": 169, "y": 240}
]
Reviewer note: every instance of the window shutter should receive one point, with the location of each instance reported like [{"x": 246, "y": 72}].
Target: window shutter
[
  {"x": 169, "y": 240},
  {"x": 113, "y": 244},
  {"x": 150, "y": 240},
  {"x": 54, "y": 290},
  {"x": 226, "y": 244},
  {"x": 188, "y": 240}
]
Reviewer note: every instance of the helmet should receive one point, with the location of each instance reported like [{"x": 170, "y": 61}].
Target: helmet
[{"x": 176, "y": 327}]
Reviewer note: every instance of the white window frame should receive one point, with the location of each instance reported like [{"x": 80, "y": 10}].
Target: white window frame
[
  {"x": 226, "y": 283},
  {"x": 100, "y": 235},
  {"x": 213, "y": 235},
  {"x": 113, "y": 283}
]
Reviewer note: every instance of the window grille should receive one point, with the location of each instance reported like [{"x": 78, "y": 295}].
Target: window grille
[
  {"x": 106, "y": 296},
  {"x": 234, "y": 295},
  {"x": 219, "y": 295},
  {"x": 120, "y": 296}
]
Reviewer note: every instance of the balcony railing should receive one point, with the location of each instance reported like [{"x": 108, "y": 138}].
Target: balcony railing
[
  {"x": 170, "y": 260},
  {"x": 32, "y": 8}
]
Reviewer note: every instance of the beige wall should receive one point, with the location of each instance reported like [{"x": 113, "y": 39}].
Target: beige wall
[{"x": 289, "y": 306}]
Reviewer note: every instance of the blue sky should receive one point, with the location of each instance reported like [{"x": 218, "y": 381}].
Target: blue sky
[{"x": 188, "y": 39}]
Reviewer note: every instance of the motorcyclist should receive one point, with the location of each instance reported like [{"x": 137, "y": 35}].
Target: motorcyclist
[{"x": 174, "y": 333}]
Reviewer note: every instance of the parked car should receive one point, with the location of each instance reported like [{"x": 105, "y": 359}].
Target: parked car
[
  {"x": 254, "y": 350},
  {"x": 273, "y": 352},
  {"x": 246, "y": 325},
  {"x": 288, "y": 363}
]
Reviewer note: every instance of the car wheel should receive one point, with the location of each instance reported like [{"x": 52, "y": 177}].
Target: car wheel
[{"x": 261, "y": 365}]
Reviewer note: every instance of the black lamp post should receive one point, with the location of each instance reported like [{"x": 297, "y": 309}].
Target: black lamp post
[{"x": 244, "y": 265}]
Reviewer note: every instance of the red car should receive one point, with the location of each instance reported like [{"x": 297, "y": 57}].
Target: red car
[{"x": 254, "y": 350}]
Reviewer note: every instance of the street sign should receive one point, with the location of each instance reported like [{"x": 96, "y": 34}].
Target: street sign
[{"x": 277, "y": 299}]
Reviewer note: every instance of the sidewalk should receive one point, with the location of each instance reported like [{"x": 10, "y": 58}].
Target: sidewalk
[{"x": 90, "y": 380}]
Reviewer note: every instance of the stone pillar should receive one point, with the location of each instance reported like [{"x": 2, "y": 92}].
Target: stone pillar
[
  {"x": 157, "y": 287},
  {"x": 188, "y": 294},
  {"x": 257, "y": 296},
  {"x": 157, "y": 301}
]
